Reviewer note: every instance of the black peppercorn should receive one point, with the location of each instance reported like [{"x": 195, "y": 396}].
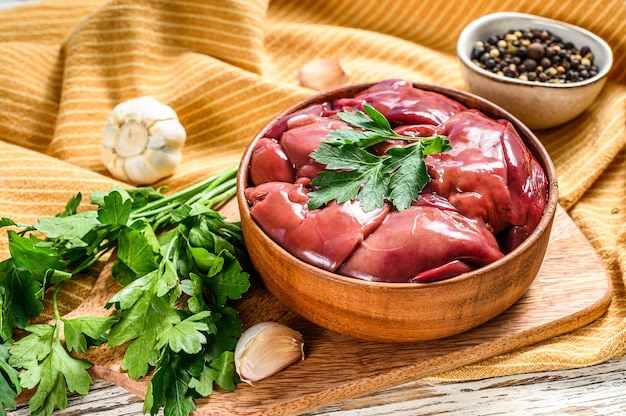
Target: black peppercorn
[
  {"x": 571, "y": 75},
  {"x": 584, "y": 51},
  {"x": 477, "y": 51},
  {"x": 490, "y": 63},
  {"x": 510, "y": 71},
  {"x": 530, "y": 64},
  {"x": 534, "y": 55}
]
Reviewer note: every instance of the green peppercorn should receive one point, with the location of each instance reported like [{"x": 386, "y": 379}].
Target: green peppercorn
[{"x": 550, "y": 72}]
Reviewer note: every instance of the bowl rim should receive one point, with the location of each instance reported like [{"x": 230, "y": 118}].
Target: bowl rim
[
  {"x": 538, "y": 151},
  {"x": 466, "y": 37}
]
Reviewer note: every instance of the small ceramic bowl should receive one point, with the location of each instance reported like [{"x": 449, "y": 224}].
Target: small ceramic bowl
[
  {"x": 539, "y": 105},
  {"x": 398, "y": 312}
]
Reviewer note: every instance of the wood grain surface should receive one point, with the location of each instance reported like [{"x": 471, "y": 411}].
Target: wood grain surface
[
  {"x": 594, "y": 390},
  {"x": 571, "y": 290}
]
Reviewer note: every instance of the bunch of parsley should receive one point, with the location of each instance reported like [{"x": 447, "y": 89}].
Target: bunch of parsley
[
  {"x": 179, "y": 263},
  {"x": 353, "y": 173}
]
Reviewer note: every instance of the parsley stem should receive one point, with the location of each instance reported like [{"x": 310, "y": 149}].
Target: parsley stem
[
  {"x": 172, "y": 251},
  {"x": 55, "y": 306},
  {"x": 187, "y": 195},
  {"x": 218, "y": 194},
  {"x": 57, "y": 315},
  {"x": 208, "y": 193},
  {"x": 89, "y": 261}
]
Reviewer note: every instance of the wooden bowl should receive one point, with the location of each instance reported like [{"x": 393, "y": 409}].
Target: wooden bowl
[{"x": 399, "y": 312}]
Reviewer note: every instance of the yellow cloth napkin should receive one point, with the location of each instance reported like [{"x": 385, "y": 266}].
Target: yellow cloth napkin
[{"x": 228, "y": 66}]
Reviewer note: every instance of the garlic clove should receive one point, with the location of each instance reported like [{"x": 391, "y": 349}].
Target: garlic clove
[
  {"x": 109, "y": 135},
  {"x": 115, "y": 163},
  {"x": 151, "y": 165},
  {"x": 166, "y": 158},
  {"x": 322, "y": 74},
  {"x": 137, "y": 171},
  {"x": 266, "y": 348},
  {"x": 147, "y": 110},
  {"x": 107, "y": 155},
  {"x": 170, "y": 134}
]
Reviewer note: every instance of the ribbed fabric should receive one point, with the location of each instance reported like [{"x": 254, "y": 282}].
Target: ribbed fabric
[{"x": 228, "y": 66}]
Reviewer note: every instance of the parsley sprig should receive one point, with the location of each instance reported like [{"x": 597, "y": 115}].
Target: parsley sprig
[
  {"x": 179, "y": 263},
  {"x": 353, "y": 173}
]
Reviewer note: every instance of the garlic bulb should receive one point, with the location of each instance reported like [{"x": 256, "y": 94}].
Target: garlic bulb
[
  {"x": 322, "y": 74},
  {"x": 266, "y": 348},
  {"x": 142, "y": 141}
]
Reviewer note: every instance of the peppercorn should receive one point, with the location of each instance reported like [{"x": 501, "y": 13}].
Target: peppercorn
[
  {"x": 584, "y": 51},
  {"x": 535, "y": 51},
  {"x": 530, "y": 64},
  {"x": 534, "y": 55},
  {"x": 571, "y": 75},
  {"x": 510, "y": 71},
  {"x": 490, "y": 63},
  {"x": 477, "y": 51},
  {"x": 550, "y": 72}
]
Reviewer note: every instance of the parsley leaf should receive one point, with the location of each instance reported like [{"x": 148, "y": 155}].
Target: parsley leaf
[
  {"x": 353, "y": 173},
  {"x": 48, "y": 366},
  {"x": 116, "y": 210},
  {"x": 136, "y": 249},
  {"x": 186, "y": 335},
  {"x": 144, "y": 316},
  {"x": 71, "y": 228},
  {"x": 9, "y": 380},
  {"x": 374, "y": 128},
  {"x": 29, "y": 255},
  {"x": 19, "y": 297},
  {"x": 170, "y": 379},
  {"x": 230, "y": 283},
  {"x": 345, "y": 185},
  {"x": 78, "y": 331}
]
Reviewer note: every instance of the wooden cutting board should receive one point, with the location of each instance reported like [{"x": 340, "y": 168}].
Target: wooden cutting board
[{"x": 571, "y": 290}]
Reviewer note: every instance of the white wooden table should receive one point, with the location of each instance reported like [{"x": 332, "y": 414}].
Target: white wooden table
[
  {"x": 4, "y": 4},
  {"x": 597, "y": 390}
]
